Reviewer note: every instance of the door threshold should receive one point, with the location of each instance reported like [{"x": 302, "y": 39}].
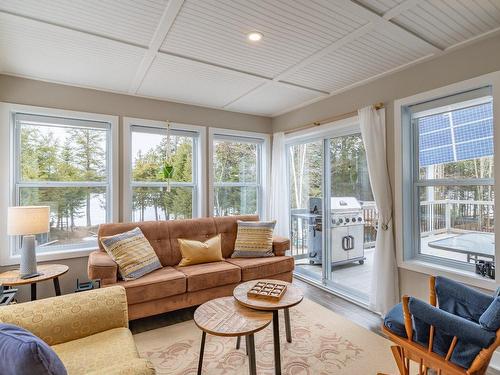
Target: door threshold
[{"x": 350, "y": 299}]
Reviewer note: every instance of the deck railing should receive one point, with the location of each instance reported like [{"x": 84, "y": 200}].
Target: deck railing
[
  {"x": 450, "y": 215},
  {"x": 440, "y": 216},
  {"x": 300, "y": 231}
]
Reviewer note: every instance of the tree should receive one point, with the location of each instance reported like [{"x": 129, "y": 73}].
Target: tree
[
  {"x": 147, "y": 167},
  {"x": 235, "y": 162},
  {"x": 90, "y": 158}
]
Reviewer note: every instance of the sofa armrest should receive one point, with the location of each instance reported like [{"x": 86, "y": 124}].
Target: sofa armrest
[
  {"x": 280, "y": 245},
  {"x": 70, "y": 317},
  {"x": 101, "y": 266}
]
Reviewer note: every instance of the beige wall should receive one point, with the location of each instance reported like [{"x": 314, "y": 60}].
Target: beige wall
[
  {"x": 471, "y": 61},
  {"x": 43, "y": 94},
  {"x": 30, "y": 92}
]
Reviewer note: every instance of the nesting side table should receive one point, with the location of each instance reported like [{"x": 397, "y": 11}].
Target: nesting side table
[
  {"x": 47, "y": 272},
  {"x": 226, "y": 317}
]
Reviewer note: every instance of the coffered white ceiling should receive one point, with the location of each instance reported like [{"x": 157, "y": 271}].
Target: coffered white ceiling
[{"x": 196, "y": 51}]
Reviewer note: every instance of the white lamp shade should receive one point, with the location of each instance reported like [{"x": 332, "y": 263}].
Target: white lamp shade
[{"x": 26, "y": 220}]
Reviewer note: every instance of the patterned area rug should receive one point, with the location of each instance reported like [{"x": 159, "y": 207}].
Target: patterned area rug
[{"x": 323, "y": 343}]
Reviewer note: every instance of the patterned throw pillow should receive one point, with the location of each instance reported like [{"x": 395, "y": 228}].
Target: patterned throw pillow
[
  {"x": 132, "y": 252},
  {"x": 254, "y": 239}
]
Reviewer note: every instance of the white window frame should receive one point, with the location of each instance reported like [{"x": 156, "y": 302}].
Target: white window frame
[
  {"x": 199, "y": 170},
  {"x": 263, "y": 166},
  {"x": 404, "y": 232},
  {"x": 8, "y": 163}
]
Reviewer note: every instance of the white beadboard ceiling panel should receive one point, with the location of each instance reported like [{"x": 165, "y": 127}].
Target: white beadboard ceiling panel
[
  {"x": 196, "y": 51},
  {"x": 39, "y": 50},
  {"x": 215, "y": 31},
  {"x": 372, "y": 54},
  {"x": 272, "y": 98},
  {"x": 380, "y": 6},
  {"x": 182, "y": 80},
  {"x": 128, "y": 20},
  {"x": 449, "y": 22}
]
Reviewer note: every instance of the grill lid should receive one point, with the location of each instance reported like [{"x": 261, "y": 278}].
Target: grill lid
[{"x": 344, "y": 204}]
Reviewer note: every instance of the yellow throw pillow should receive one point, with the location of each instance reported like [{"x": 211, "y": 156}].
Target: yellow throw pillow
[{"x": 196, "y": 252}]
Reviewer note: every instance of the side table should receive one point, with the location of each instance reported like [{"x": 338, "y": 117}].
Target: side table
[
  {"x": 47, "y": 272},
  {"x": 226, "y": 317},
  {"x": 293, "y": 296}
]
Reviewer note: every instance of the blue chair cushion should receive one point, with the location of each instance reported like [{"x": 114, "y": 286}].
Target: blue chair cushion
[
  {"x": 22, "y": 353},
  {"x": 394, "y": 321},
  {"x": 471, "y": 336},
  {"x": 461, "y": 300},
  {"x": 490, "y": 319}
]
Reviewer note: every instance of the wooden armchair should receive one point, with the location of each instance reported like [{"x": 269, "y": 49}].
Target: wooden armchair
[{"x": 458, "y": 338}]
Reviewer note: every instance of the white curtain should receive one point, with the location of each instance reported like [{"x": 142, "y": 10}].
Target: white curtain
[
  {"x": 384, "y": 286},
  {"x": 278, "y": 197}
]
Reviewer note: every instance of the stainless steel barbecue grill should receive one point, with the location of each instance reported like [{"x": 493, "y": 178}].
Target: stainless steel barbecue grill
[{"x": 347, "y": 233}]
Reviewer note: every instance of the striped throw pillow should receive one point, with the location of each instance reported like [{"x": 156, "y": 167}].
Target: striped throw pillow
[
  {"x": 132, "y": 252},
  {"x": 254, "y": 239}
]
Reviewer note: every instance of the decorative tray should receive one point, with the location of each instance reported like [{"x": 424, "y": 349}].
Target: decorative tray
[{"x": 267, "y": 290}]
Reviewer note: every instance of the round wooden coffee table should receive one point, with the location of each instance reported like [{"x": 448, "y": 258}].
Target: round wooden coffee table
[
  {"x": 47, "y": 272},
  {"x": 293, "y": 296},
  {"x": 226, "y": 317}
]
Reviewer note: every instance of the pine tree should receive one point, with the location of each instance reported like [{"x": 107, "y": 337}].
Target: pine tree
[{"x": 89, "y": 145}]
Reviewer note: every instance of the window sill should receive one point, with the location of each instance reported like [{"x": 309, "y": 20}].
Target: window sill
[
  {"x": 465, "y": 277},
  {"x": 54, "y": 256}
]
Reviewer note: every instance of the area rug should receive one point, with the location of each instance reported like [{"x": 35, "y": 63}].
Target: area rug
[{"x": 323, "y": 343}]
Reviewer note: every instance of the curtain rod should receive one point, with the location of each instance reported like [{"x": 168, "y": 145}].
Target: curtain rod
[{"x": 330, "y": 119}]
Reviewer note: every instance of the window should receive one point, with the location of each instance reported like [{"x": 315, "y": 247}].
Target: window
[
  {"x": 64, "y": 163},
  {"x": 237, "y": 174},
  {"x": 452, "y": 180},
  {"x": 152, "y": 197}
]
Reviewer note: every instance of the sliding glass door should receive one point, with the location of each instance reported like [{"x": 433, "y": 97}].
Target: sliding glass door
[
  {"x": 353, "y": 217},
  {"x": 333, "y": 215},
  {"x": 305, "y": 170}
]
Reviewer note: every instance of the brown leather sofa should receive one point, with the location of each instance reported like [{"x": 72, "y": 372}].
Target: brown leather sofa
[{"x": 173, "y": 287}]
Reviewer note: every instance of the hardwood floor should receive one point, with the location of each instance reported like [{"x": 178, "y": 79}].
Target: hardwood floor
[
  {"x": 349, "y": 310},
  {"x": 357, "y": 314}
]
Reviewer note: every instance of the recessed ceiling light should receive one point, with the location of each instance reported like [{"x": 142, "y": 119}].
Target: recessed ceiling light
[{"x": 254, "y": 36}]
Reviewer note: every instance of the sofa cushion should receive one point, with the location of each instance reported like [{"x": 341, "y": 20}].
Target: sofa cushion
[
  {"x": 165, "y": 282},
  {"x": 97, "y": 352},
  {"x": 194, "y": 229},
  {"x": 132, "y": 252},
  {"x": 136, "y": 366},
  {"x": 22, "y": 353},
  {"x": 198, "y": 252},
  {"x": 254, "y": 239},
  {"x": 262, "y": 268},
  {"x": 210, "y": 275}
]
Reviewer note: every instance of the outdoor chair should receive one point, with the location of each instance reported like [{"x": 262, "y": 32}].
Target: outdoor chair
[{"x": 456, "y": 333}]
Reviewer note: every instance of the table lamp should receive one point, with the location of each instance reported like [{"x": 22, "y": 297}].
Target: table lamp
[{"x": 27, "y": 221}]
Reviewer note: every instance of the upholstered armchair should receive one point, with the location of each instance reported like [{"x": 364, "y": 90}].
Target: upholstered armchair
[
  {"x": 88, "y": 331},
  {"x": 455, "y": 333}
]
